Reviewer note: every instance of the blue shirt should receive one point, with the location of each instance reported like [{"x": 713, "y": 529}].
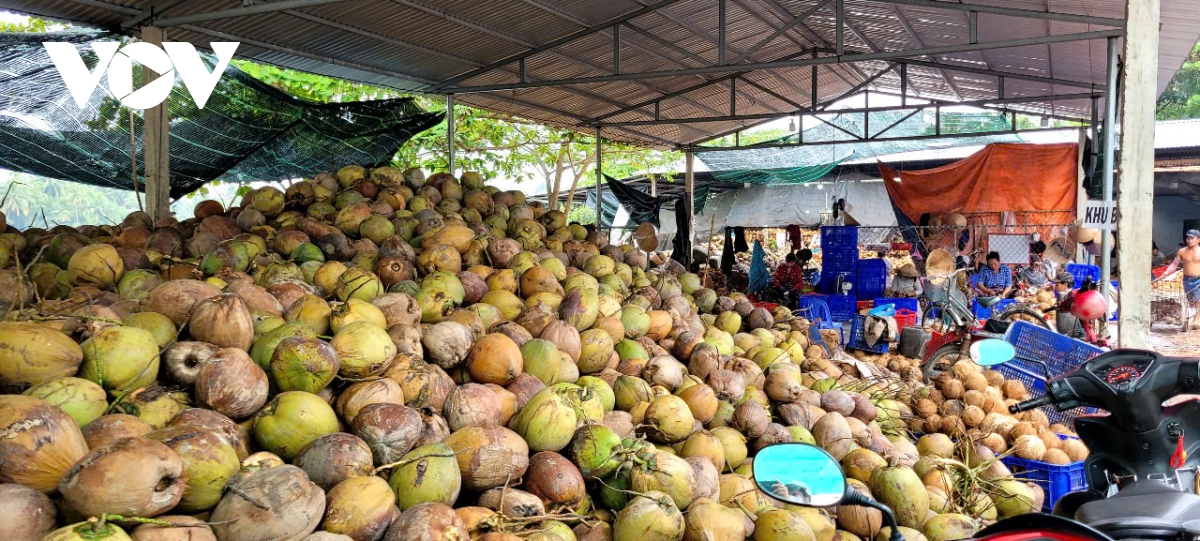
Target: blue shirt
[{"x": 995, "y": 279}]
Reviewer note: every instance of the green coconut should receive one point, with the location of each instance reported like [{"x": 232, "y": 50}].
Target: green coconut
[
  {"x": 232, "y": 255},
  {"x": 120, "y": 358},
  {"x": 54, "y": 283},
  {"x": 734, "y": 445},
  {"x": 134, "y": 285},
  {"x": 667, "y": 473},
  {"x": 157, "y": 324},
  {"x": 542, "y": 360},
  {"x": 629, "y": 349},
  {"x": 509, "y": 304},
  {"x": 596, "y": 349},
  {"x": 363, "y": 350},
  {"x": 83, "y": 400},
  {"x": 353, "y": 310},
  {"x": 291, "y": 421},
  {"x": 88, "y": 531},
  {"x": 547, "y": 422},
  {"x": 782, "y": 525},
  {"x": 264, "y": 346},
  {"x": 155, "y": 405},
  {"x": 356, "y": 283},
  {"x": 706, "y": 300},
  {"x": 436, "y": 304},
  {"x": 636, "y": 321},
  {"x": 668, "y": 419},
  {"x": 729, "y": 321},
  {"x": 720, "y": 339},
  {"x": 311, "y": 311},
  {"x": 58, "y": 355},
  {"x": 580, "y": 308},
  {"x": 949, "y": 527},
  {"x": 1013, "y": 498},
  {"x": 628, "y": 391},
  {"x": 209, "y": 462},
  {"x": 601, "y": 388},
  {"x": 588, "y": 405},
  {"x": 307, "y": 252},
  {"x": 801, "y": 435},
  {"x": 594, "y": 450},
  {"x": 96, "y": 264},
  {"x": 427, "y": 474},
  {"x": 651, "y": 516},
  {"x": 614, "y": 492},
  {"x": 303, "y": 364},
  {"x": 708, "y": 520},
  {"x": 447, "y": 282},
  {"x": 900, "y": 489}
]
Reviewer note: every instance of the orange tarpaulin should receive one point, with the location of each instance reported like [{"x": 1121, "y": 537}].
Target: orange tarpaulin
[{"x": 1001, "y": 177}]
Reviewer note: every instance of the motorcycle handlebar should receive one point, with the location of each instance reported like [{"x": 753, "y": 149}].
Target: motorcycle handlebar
[{"x": 1031, "y": 404}]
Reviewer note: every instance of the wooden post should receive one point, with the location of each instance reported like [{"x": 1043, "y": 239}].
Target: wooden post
[
  {"x": 450, "y": 134},
  {"x": 653, "y": 187},
  {"x": 599, "y": 181},
  {"x": 1135, "y": 199},
  {"x": 155, "y": 138},
  {"x": 689, "y": 178}
]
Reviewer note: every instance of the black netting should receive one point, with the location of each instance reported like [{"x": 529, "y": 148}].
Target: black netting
[{"x": 248, "y": 131}]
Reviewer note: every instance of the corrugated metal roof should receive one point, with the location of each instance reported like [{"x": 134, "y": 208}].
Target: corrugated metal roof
[{"x": 413, "y": 45}]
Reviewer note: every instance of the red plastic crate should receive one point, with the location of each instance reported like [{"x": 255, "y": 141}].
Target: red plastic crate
[
  {"x": 768, "y": 305},
  {"x": 905, "y": 318},
  {"x": 865, "y": 305}
]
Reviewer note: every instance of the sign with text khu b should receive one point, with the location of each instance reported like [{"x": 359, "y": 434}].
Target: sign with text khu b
[
  {"x": 117, "y": 62},
  {"x": 1099, "y": 215}
]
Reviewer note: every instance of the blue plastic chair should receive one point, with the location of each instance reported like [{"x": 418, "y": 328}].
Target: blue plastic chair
[{"x": 815, "y": 310}]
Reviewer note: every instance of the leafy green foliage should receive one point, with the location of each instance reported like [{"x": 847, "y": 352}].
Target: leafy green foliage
[{"x": 1181, "y": 99}]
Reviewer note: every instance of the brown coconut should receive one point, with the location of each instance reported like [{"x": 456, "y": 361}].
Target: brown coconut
[
  {"x": 29, "y": 514},
  {"x": 472, "y": 404},
  {"x": 222, "y": 320},
  {"x": 361, "y": 508},
  {"x": 274, "y": 503},
  {"x": 215, "y": 422},
  {"x": 390, "y": 430},
  {"x": 175, "y": 298},
  {"x": 112, "y": 427},
  {"x": 555, "y": 480},
  {"x": 489, "y": 456},
  {"x": 428, "y": 522},
  {"x": 184, "y": 528},
  {"x": 496, "y": 359},
  {"x": 361, "y": 394},
  {"x": 231, "y": 383},
  {"x": 38, "y": 442},
  {"x": 132, "y": 477},
  {"x": 333, "y": 458}
]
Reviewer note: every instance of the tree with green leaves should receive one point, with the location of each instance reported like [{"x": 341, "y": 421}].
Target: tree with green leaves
[{"x": 1181, "y": 99}]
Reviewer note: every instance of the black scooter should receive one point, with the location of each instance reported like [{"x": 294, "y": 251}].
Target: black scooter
[{"x": 1142, "y": 470}]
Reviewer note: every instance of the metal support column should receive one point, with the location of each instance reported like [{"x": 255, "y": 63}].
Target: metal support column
[
  {"x": 903, "y": 85},
  {"x": 1135, "y": 202},
  {"x": 1110, "y": 120},
  {"x": 689, "y": 179},
  {"x": 840, "y": 33},
  {"x": 450, "y": 132},
  {"x": 599, "y": 180},
  {"x": 616, "y": 54},
  {"x": 155, "y": 139}
]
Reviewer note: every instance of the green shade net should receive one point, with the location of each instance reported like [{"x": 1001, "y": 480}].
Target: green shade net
[
  {"x": 248, "y": 131},
  {"x": 889, "y": 132}
]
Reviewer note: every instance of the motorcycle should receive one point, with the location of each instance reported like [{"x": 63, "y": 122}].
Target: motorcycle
[
  {"x": 1141, "y": 484},
  {"x": 1090, "y": 311}
]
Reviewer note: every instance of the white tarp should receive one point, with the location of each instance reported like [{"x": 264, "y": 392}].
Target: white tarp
[{"x": 781, "y": 206}]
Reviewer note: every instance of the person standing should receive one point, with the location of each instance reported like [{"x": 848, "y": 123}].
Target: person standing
[
  {"x": 1188, "y": 258},
  {"x": 994, "y": 279}
]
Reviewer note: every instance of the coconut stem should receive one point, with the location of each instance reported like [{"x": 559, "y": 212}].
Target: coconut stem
[
  {"x": 249, "y": 498},
  {"x": 400, "y": 463}
]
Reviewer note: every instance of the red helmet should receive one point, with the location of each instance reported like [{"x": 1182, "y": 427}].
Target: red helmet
[{"x": 1089, "y": 305}]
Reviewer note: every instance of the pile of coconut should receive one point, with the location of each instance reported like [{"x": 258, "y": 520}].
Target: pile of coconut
[{"x": 376, "y": 355}]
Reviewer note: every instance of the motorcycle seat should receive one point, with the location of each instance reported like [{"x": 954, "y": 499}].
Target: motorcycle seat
[{"x": 1148, "y": 509}]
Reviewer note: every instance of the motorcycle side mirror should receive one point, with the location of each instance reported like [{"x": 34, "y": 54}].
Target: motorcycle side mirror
[
  {"x": 803, "y": 474},
  {"x": 992, "y": 352},
  {"x": 800, "y": 474}
]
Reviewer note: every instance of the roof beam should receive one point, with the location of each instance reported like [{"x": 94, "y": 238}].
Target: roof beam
[
  {"x": 857, "y": 110},
  {"x": 252, "y": 9},
  {"x": 787, "y": 17},
  {"x": 553, "y": 43},
  {"x": 912, "y": 33},
  {"x": 160, "y": 7},
  {"x": 796, "y": 20},
  {"x": 1010, "y": 12},
  {"x": 694, "y": 148},
  {"x": 849, "y": 58}
]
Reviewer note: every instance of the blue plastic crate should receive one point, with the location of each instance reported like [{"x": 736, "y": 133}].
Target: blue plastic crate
[
  {"x": 1061, "y": 353},
  {"x": 1083, "y": 272},
  {"x": 1030, "y": 375},
  {"x": 1056, "y": 481},
  {"x": 899, "y": 303},
  {"x": 982, "y": 312},
  {"x": 842, "y": 236},
  {"x": 840, "y": 260},
  {"x": 858, "y": 337},
  {"x": 871, "y": 281},
  {"x": 842, "y": 307}
]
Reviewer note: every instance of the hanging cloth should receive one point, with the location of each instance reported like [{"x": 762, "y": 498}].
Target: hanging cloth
[
  {"x": 681, "y": 247},
  {"x": 727, "y": 253},
  {"x": 759, "y": 277},
  {"x": 1008, "y": 219}
]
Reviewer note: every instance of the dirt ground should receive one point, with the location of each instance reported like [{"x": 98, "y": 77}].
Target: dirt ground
[{"x": 1174, "y": 342}]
